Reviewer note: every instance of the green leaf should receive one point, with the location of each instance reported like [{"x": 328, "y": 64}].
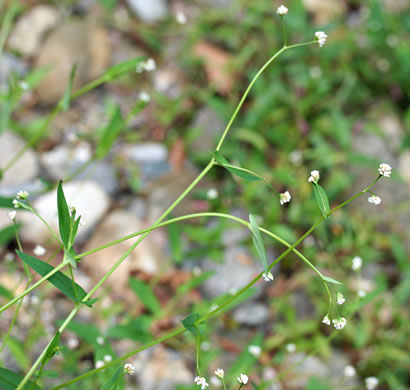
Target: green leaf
[
  {"x": 240, "y": 172},
  {"x": 63, "y": 216},
  {"x": 194, "y": 282},
  {"x": 66, "y": 99},
  {"x": 174, "y": 238},
  {"x": 87, "y": 332},
  {"x": 258, "y": 242},
  {"x": 109, "y": 134},
  {"x": 189, "y": 323},
  {"x": 48, "y": 374},
  {"x": 146, "y": 295},
  {"x": 52, "y": 348},
  {"x": 59, "y": 280},
  {"x": 6, "y": 203},
  {"x": 137, "y": 330},
  {"x": 316, "y": 384},
  {"x": 120, "y": 69},
  {"x": 112, "y": 383},
  {"x": 8, "y": 233},
  {"x": 330, "y": 280},
  {"x": 5, "y": 293},
  {"x": 9, "y": 380},
  {"x": 16, "y": 349},
  {"x": 321, "y": 199}
]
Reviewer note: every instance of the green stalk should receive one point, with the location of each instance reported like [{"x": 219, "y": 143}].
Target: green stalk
[{"x": 6, "y": 25}]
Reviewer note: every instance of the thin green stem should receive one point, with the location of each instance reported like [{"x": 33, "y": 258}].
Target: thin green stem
[
  {"x": 47, "y": 225},
  {"x": 72, "y": 279},
  {"x": 6, "y": 25},
  {"x": 285, "y": 39},
  {"x": 198, "y": 347}
]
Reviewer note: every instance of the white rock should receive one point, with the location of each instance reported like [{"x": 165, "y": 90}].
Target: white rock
[
  {"x": 29, "y": 30},
  {"x": 89, "y": 199},
  {"x": 25, "y": 169},
  {"x": 145, "y": 153},
  {"x": 149, "y": 11}
]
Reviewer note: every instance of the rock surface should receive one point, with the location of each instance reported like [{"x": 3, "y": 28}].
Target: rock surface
[
  {"x": 9, "y": 64},
  {"x": 252, "y": 314},
  {"x": 89, "y": 199},
  {"x": 30, "y": 29},
  {"x": 149, "y": 11},
  {"x": 324, "y": 11},
  {"x": 76, "y": 42}
]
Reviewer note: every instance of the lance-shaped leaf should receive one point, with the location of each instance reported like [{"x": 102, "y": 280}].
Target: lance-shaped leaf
[
  {"x": 321, "y": 199},
  {"x": 9, "y": 380},
  {"x": 146, "y": 295},
  {"x": 52, "y": 348},
  {"x": 110, "y": 133},
  {"x": 59, "y": 280},
  {"x": 112, "y": 383},
  {"x": 6, "y": 203},
  {"x": 64, "y": 220},
  {"x": 240, "y": 172},
  {"x": 258, "y": 242},
  {"x": 120, "y": 69},
  {"x": 330, "y": 280},
  {"x": 66, "y": 99}
]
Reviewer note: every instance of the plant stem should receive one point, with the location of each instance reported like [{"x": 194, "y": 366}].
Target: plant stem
[{"x": 6, "y": 25}]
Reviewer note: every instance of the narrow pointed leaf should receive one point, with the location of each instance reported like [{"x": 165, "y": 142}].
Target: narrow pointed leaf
[
  {"x": 330, "y": 280},
  {"x": 120, "y": 69},
  {"x": 59, "y": 280},
  {"x": 146, "y": 295},
  {"x": 52, "y": 348},
  {"x": 9, "y": 380},
  {"x": 63, "y": 216},
  {"x": 110, "y": 134},
  {"x": 258, "y": 242},
  {"x": 112, "y": 383},
  {"x": 6, "y": 203},
  {"x": 66, "y": 99},
  {"x": 321, "y": 199}
]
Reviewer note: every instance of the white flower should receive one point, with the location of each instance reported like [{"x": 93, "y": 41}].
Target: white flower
[
  {"x": 320, "y": 37},
  {"x": 219, "y": 372},
  {"x": 340, "y": 299},
  {"x": 349, "y": 371},
  {"x": 374, "y": 199},
  {"x": 314, "y": 176},
  {"x": 100, "y": 340},
  {"x": 22, "y": 195},
  {"x": 326, "y": 320},
  {"x": 371, "y": 382},
  {"x": 181, "y": 17},
  {"x": 39, "y": 250},
  {"x": 201, "y": 381},
  {"x": 339, "y": 323},
  {"x": 285, "y": 198},
  {"x": 144, "y": 97},
  {"x": 267, "y": 277},
  {"x": 12, "y": 215},
  {"x": 16, "y": 203},
  {"x": 361, "y": 293},
  {"x": 243, "y": 379},
  {"x": 129, "y": 369},
  {"x": 212, "y": 194},
  {"x": 148, "y": 65},
  {"x": 72, "y": 343},
  {"x": 255, "y": 350},
  {"x": 282, "y": 10},
  {"x": 99, "y": 364},
  {"x": 357, "y": 263},
  {"x": 107, "y": 358},
  {"x": 384, "y": 170},
  {"x": 290, "y": 347}
]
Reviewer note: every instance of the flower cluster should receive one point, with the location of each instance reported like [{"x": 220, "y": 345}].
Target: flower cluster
[
  {"x": 268, "y": 277},
  {"x": 129, "y": 369},
  {"x": 357, "y": 263},
  {"x": 201, "y": 381},
  {"x": 144, "y": 97},
  {"x": 219, "y": 372},
  {"x": 282, "y": 10},
  {"x": 148, "y": 65},
  {"x": 339, "y": 323},
  {"x": 39, "y": 250},
  {"x": 349, "y": 371},
  {"x": 371, "y": 382},
  {"x": 243, "y": 379},
  {"x": 285, "y": 198},
  {"x": 255, "y": 350},
  {"x": 21, "y": 195},
  {"x": 314, "y": 176},
  {"x": 385, "y": 170},
  {"x": 340, "y": 299},
  {"x": 374, "y": 200},
  {"x": 320, "y": 37}
]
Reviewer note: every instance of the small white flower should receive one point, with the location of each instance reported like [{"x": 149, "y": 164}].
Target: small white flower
[
  {"x": 107, "y": 358},
  {"x": 219, "y": 372},
  {"x": 384, "y": 170},
  {"x": 374, "y": 199},
  {"x": 326, "y": 320},
  {"x": 212, "y": 193},
  {"x": 16, "y": 203},
  {"x": 320, "y": 37},
  {"x": 243, "y": 379},
  {"x": 371, "y": 382},
  {"x": 314, "y": 176},
  {"x": 267, "y": 277},
  {"x": 339, "y": 323},
  {"x": 100, "y": 340},
  {"x": 22, "y": 195},
  {"x": 349, "y": 371},
  {"x": 99, "y": 364},
  {"x": 196, "y": 270},
  {"x": 290, "y": 347},
  {"x": 357, "y": 263},
  {"x": 144, "y": 97},
  {"x": 150, "y": 65},
  {"x": 340, "y": 299},
  {"x": 282, "y": 10},
  {"x": 181, "y": 17},
  {"x": 23, "y": 85},
  {"x": 12, "y": 215},
  {"x": 285, "y": 198},
  {"x": 255, "y": 350},
  {"x": 361, "y": 293},
  {"x": 201, "y": 381},
  {"x": 39, "y": 250},
  {"x": 129, "y": 369},
  {"x": 73, "y": 343}
]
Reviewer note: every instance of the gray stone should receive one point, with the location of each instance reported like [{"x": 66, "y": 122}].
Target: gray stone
[
  {"x": 324, "y": 11},
  {"x": 218, "y": 3},
  {"x": 303, "y": 305},
  {"x": 30, "y": 28},
  {"x": 252, "y": 314},
  {"x": 24, "y": 170},
  {"x": 149, "y": 11},
  {"x": 87, "y": 197},
  {"x": 10, "y": 64},
  {"x": 404, "y": 166}
]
